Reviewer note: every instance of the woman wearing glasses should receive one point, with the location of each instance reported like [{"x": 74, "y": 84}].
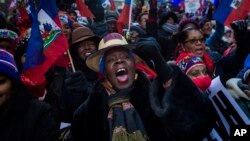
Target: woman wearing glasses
[{"x": 191, "y": 40}]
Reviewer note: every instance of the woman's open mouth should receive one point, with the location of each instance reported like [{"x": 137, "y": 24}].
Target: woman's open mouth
[{"x": 122, "y": 75}]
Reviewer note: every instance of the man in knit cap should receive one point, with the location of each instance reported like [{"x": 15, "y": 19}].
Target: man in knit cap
[
  {"x": 111, "y": 20},
  {"x": 6, "y": 38}
]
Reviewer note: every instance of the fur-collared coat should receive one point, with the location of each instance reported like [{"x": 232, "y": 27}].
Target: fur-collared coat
[{"x": 182, "y": 112}]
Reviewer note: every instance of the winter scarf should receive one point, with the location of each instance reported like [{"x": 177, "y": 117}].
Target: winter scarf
[
  {"x": 171, "y": 28},
  {"x": 124, "y": 121}
]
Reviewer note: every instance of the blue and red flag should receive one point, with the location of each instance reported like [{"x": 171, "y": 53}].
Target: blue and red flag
[
  {"x": 108, "y": 3},
  {"x": 84, "y": 10},
  {"x": 112, "y": 5},
  {"x": 46, "y": 44},
  {"x": 231, "y": 10},
  {"x": 216, "y": 3},
  {"x": 179, "y": 3},
  {"x": 123, "y": 19},
  {"x": 24, "y": 21}
]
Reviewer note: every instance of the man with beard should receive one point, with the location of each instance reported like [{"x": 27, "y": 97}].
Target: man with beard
[{"x": 124, "y": 105}]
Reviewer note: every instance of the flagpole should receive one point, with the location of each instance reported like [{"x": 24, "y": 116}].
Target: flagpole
[
  {"x": 71, "y": 61},
  {"x": 130, "y": 15}
]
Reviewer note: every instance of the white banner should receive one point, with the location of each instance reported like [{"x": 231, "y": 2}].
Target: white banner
[
  {"x": 191, "y": 6},
  {"x": 229, "y": 112}
]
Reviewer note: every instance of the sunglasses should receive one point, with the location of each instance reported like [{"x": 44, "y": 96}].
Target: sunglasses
[{"x": 194, "y": 41}]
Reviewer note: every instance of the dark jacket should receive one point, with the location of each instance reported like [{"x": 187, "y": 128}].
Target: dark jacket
[
  {"x": 72, "y": 98},
  {"x": 54, "y": 90},
  {"x": 163, "y": 33},
  {"x": 187, "y": 113},
  {"x": 27, "y": 119},
  {"x": 230, "y": 65},
  {"x": 168, "y": 46}
]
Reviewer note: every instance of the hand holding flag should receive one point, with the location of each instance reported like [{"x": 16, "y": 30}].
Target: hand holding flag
[
  {"x": 46, "y": 43},
  {"x": 123, "y": 19}
]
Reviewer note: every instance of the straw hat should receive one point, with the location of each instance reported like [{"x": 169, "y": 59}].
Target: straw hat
[{"x": 108, "y": 42}]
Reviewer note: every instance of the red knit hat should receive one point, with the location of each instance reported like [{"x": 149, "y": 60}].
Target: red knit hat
[{"x": 186, "y": 61}]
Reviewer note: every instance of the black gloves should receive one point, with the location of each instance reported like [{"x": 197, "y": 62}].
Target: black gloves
[
  {"x": 77, "y": 83},
  {"x": 242, "y": 40},
  {"x": 148, "y": 49}
]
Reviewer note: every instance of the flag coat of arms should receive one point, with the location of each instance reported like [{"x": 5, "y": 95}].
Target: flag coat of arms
[
  {"x": 47, "y": 42},
  {"x": 231, "y": 10}
]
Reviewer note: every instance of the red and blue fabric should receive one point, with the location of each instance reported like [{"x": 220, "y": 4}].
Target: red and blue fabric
[
  {"x": 123, "y": 19},
  {"x": 231, "y": 10},
  {"x": 177, "y": 3},
  {"x": 112, "y": 5},
  {"x": 46, "y": 44},
  {"x": 84, "y": 10}
]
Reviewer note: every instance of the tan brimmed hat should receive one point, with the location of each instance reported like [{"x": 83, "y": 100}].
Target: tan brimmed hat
[{"x": 108, "y": 42}]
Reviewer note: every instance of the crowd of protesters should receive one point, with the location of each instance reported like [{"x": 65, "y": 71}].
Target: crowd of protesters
[{"x": 147, "y": 83}]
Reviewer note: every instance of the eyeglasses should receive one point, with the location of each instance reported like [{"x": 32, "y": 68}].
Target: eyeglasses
[{"x": 194, "y": 41}]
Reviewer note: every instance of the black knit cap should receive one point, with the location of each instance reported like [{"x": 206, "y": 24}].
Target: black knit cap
[
  {"x": 138, "y": 29},
  {"x": 111, "y": 16},
  {"x": 165, "y": 16}
]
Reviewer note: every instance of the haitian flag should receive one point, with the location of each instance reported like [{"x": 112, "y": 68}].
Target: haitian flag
[
  {"x": 177, "y": 2},
  {"x": 24, "y": 22},
  {"x": 123, "y": 19},
  {"x": 216, "y": 3},
  {"x": 108, "y": 3},
  {"x": 46, "y": 44},
  {"x": 231, "y": 10},
  {"x": 84, "y": 10},
  {"x": 112, "y": 5}
]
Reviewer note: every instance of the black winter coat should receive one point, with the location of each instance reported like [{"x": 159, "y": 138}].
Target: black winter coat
[
  {"x": 70, "y": 100},
  {"x": 27, "y": 119},
  {"x": 182, "y": 112}
]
